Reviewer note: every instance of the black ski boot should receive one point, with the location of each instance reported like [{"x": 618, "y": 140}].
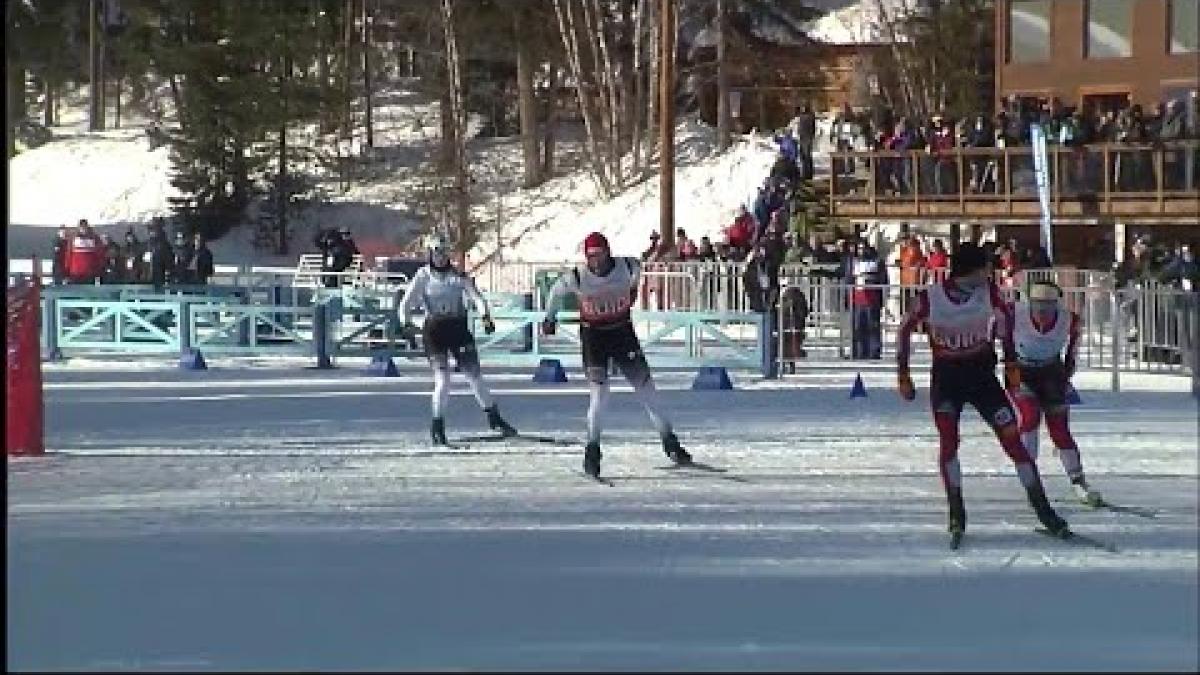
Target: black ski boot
[
  {"x": 591, "y": 459},
  {"x": 1045, "y": 513},
  {"x": 497, "y": 423},
  {"x": 674, "y": 450},
  {"x": 958, "y": 512},
  {"x": 437, "y": 431}
]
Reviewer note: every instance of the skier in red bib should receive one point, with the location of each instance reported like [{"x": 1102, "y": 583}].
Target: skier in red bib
[
  {"x": 963, "y": 315},
  {"x": 607, "y": 287},
  {"x": 1042, "y": 327}
]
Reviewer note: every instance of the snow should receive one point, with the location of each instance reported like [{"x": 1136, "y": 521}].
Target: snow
[
  {"x": 113, "y": 179},
  {"x": 263, "y": 515}
]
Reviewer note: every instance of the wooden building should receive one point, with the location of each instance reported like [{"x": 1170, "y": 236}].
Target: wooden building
[
  {"x": 769, "y": 80},
  {"x": 1107, "y": 52}
]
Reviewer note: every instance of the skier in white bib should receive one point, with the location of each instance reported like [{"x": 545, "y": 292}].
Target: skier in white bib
[
  {"x": 606, "y": 288},
  {"x": 443, "y": 291},
  {"x": 1042, "y": 327}
]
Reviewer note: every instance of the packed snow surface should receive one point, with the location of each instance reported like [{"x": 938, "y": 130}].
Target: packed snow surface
[{"x": 263, "y": 515}]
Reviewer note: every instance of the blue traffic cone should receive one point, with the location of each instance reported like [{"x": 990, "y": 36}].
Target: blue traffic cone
[
  {"x": 382, "y": 364},
  {"x": 859, "y": 390},
  {"x": 712, "y": 378},
  {"x": 550, "y": 371},
  {"x": 192, "y": 360}
]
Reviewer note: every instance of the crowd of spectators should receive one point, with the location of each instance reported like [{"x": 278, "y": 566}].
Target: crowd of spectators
[
  {"x": 1078, "y": 128},
  {"x": 83, "y": 256}
]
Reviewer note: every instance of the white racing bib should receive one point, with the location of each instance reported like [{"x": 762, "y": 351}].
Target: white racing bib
[
  {"x": 960, "y": 328},
  {"x": 1035, "y": 347}
]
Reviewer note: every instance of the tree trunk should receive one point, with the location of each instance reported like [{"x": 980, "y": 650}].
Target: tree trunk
[
  {"x": 367, "y": 20},
  {"x": 16, "y": 103},
  {"x": 464, "y": 238},
  {"x": 724, "y": 138},
  {"x": 652, "y": 81},
  {"x": 281, "y": 243},
  {"x": 637, "y": 98},
  {"x": 569, "y": 33},
  {"x": 348, "y": 64},
  {"x": 177, "y": 98},
  {"x": 48, "y": 111},
  {"x": 551, "y": 118},
  {"x": 95, "y": 108},
  {"x": 527, "y": 106}
]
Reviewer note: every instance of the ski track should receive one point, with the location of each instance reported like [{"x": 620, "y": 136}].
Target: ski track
[{"x": 324, "y": 532}]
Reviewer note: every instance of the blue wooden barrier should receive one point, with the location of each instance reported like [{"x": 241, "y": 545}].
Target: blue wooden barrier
[{"x": 224, "y": 323}]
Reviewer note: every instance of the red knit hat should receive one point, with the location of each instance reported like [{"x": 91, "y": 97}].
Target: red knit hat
[{"x": 594, "y": 241}]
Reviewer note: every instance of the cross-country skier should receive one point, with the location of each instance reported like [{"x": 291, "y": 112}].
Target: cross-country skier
[
  {"x": 607, "y": 287},
  {"x": 1042, "y": 328},
  {"x": 443, "y": 291},
  {"x": 963, "y": 314}
]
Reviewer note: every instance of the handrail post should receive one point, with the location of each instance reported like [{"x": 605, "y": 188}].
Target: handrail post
[
  {"x": 1107, "y": 183},
  {"x": 962, "y": 195},
  {"x": 320, "y": 336},
  {"x": 50, "y": 327},
  {"x": 184, "y": 326},
  {"x": 872, "y": 186},
  {"x": 1116, "y": 339},
  {"x": 1007, "y": 181},
  {"x": 916, "y": 181},
  {"x": 1159, "y": 177}
]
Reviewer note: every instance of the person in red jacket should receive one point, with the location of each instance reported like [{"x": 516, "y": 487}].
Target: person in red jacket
[
  {"x": 938, "y": 262},
  {"x": 85, "y": 255}
]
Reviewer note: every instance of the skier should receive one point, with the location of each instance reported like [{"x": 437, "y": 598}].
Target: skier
[
  {"x": 1042, "y": 327},
  {"x": 607, "y": 287},
  {"x": 443, "y": 290},
  {"x": 963, "y": 314}
]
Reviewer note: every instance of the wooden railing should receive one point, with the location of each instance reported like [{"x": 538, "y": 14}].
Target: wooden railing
[{"x": 1133, "y": 182}]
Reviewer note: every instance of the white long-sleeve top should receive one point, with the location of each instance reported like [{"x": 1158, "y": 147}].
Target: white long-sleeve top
[{"x": 443, "y": 294}]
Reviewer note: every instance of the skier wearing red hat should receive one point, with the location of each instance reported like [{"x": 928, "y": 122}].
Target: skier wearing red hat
[{"x": 606, "y": 287}]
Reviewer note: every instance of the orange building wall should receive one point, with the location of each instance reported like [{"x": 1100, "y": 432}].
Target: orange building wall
[{"x": 1070, "y": 76}]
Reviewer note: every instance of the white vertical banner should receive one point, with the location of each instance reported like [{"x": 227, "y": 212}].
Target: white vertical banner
[{"x": 1041, "y": 173}]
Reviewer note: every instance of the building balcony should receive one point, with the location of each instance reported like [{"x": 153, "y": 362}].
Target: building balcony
[{"x": 1100, "y": 183}]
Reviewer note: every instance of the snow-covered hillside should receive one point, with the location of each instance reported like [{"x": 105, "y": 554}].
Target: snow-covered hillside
[{"x": 116, "y": 180}]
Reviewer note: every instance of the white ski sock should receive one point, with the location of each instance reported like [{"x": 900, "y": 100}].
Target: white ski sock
[
  {"x": 441, "y": 391},
  {"x": 596, "y": 403},
  {"x": 480, "y": 389},
  {"x": 648, "y": 395}
]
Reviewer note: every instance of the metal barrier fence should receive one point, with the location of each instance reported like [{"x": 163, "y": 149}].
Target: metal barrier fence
[
  {"x": 1142, "y": 329},
  {"x": 690, "y": 313}
]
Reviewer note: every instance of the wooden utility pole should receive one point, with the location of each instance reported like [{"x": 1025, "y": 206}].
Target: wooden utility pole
[
  {"x": 666, "y": 123},
  {"x": 95, "y": 111},
  {"x": 724, "y": 139}
]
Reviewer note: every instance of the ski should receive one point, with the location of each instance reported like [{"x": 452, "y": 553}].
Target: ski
[
  {"x": 701, "y": 466},
  {"x": 598, "y": 479},
  {"x": 702, "y": 469},
  {"x": 1116, "y": 508},
  {"x": 1079, "y": 539},
  {"x": 498, "y": 438}
]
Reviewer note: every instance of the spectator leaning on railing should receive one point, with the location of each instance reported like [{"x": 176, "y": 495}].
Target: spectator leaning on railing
[{"x": 85, "y": 255}]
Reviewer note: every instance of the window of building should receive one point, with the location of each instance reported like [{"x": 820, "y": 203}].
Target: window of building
[
  {"x": 1029, "y": 31},
  {"x": 1183, "y": 26},
  {"x": 1109, "y": 26}
]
